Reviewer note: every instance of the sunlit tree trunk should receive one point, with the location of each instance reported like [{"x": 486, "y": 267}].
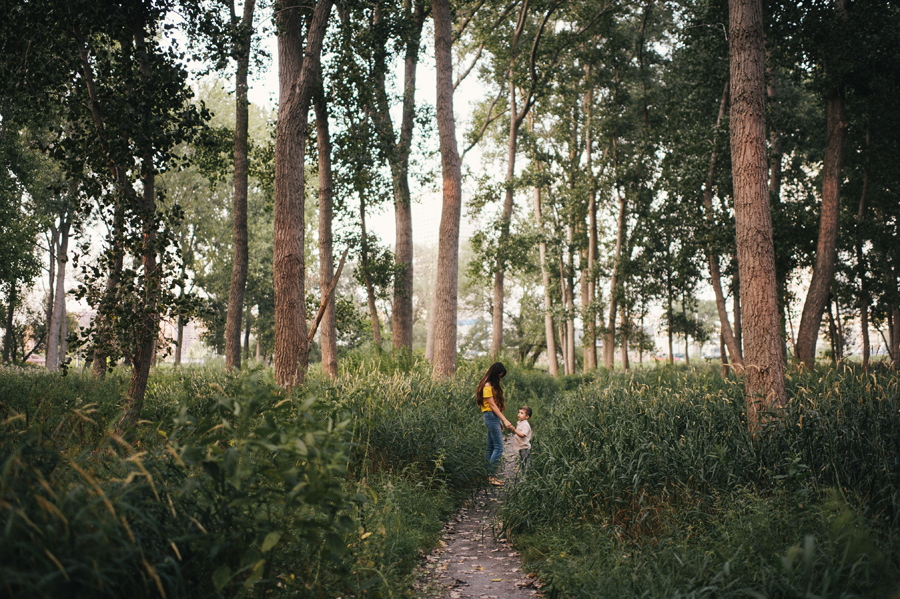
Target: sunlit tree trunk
[
  {"x": 446, "y": 283},
  {"x": 298, "y": 71},
  {"x": 59, "y": 297},
  {"x": 764, "y": 366},
  {"x": 239, "y": 206},
  {"x": 823, "y": 269},
  {"x": 328, "y": 331}
]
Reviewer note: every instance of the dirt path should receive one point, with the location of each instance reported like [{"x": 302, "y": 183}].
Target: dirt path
[{"x": 473, "y": 562}]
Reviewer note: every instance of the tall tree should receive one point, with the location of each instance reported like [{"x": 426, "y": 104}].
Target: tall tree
[
  {"x": 408, "y": 21},
  {"x": 328, "y": 336},
  {"x": 446, "y": 282},
  {"x": 298, "y": 71},
  {"x": 242, "y": 48},
  {"x": 764, "y": 367},
  {"x": 836, "y": 134}
]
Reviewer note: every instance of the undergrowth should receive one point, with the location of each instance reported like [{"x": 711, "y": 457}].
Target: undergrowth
[{"x": 649, "y": 484}]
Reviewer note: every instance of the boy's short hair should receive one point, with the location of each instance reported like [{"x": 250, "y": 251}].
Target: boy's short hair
[{"x": 527, "y": 410}]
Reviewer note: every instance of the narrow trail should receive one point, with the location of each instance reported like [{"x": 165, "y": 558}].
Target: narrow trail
[{"x": 473, "y": 561}]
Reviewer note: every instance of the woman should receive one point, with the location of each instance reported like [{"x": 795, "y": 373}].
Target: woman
[{"x": 489, "y": 397}]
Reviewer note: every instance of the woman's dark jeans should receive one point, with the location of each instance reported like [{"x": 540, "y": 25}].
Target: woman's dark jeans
[{"x": 494, "y": 441}]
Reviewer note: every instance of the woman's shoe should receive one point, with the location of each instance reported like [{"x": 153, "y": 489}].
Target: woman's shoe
[{"x": 495, "y": 481}]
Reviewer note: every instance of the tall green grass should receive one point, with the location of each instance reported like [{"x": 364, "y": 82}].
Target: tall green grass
[
  {"x": 649, "y": 484},
  {"x": 228, "y": 487}
]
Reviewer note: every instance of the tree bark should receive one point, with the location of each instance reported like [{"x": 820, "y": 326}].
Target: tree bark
[
  {"x": 398, "y": 152},
  {"x": 609, "y": 343},
  {"x": 446, "y": 283},
  {"x": 145, "y": 348},
  {"x": 590, "y": 315},
  {"x": 298, "y": 71},
  {"x": 764, "y": 367},
  {"x": 861, "y": 268},
  {"x": 823, "y": 269},
  {"x": 328, "y": 336},
  {"x": 712, "y": 258},
  {"x": 8, "y": 338},
  {"x": 570, "y": 303},
  {"x": 59, "y": 296},
  {"x": 179, "y": 340},
  {"x": 239, "y": 207},
  {"x": 364, "y": 259},
  {"x": 553, "y": 365},
  {"x": 895, "y": 337},
  {"x": 775, "y": 176}
]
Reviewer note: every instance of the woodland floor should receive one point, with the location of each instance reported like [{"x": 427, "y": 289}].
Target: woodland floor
[{"x": 473, "y": 561}]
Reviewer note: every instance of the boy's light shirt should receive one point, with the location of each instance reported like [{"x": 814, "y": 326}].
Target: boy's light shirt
[{"x": 522, "y": 442}]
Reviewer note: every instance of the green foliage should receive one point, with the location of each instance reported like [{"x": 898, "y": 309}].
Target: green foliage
[
  {"x": 228, "y": 488},
  {"x": 649, "y": 484}
]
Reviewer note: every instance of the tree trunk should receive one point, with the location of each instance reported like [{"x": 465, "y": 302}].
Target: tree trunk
[
  {"x": 328, "y": 335},
  {"x": 832, "y": 333},
  {"x": 298, "y": 71},
  {"x": 712, "y": 257},
  {"x": 239, "y": 208},
  {"x": 895, "y": 338},
  {"x": 8, "y": 338},
  {"x": 59, "y": 301},
  {"x": 515, "y": 121},
  {"x": 723, "y": 355},
  {"x": 590, "y": 315},
  {"x": 446, "y": 282},
  {"x": 775, "y": 176},
  {"x": 570, "y": 300},
  {"x": 364, "y": 259},
  {"x": 553, "y": 365},
  {"x": 764, "y": 367},
  {"x": 179, "y": 340},
  {"x": 609, "y": 343},
  {"x": 736, "y": 308},
  {"x": 568, "y": 367},
  {"x": 103, "y": 338},
  {"x": 145, "y": 347},
  {"x": 53, "y": 245},
  {"x": 625, "y": 325},
  {"x": 823, "y": 269},
  {"x": 398, "y": 158},
  {"x": 861, "y": 268}
]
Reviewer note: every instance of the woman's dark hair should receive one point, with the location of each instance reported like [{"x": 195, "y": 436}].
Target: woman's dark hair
[{"x": 492, "y": 376}]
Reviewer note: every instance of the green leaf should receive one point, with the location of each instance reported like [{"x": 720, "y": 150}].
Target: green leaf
[
  {"x": 221, "y": 577},
  {"x": 270, "y": 541}
]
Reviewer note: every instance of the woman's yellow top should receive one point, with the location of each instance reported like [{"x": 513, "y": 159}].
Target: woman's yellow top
[{"x": 487, "y": 391}]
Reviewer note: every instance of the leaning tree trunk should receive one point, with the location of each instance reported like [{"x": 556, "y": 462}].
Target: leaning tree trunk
[
  {"x": 446, "y": 283},
  {"x": 328, "y": 334},
  {"x": 59, "y": 296},
  {"x": 239, "y": 208},
  {"x": 298, "y": 71},
  {"x": 764, "y": 367},
  {"x": 823, "y": 269}
]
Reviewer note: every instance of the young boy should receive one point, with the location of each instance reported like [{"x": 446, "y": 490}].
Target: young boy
[{"x": 522, "y": 442}]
